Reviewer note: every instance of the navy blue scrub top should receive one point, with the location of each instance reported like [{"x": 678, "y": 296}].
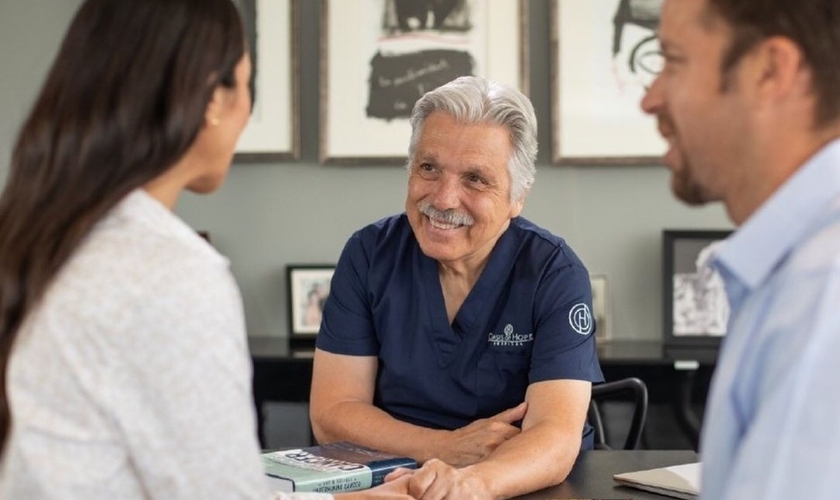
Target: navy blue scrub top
[{"x": 527, "y": 319}]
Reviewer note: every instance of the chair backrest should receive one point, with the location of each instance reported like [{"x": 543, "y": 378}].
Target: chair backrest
[{"x": 619, "y": 389}]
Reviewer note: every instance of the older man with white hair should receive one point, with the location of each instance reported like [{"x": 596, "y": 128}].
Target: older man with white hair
[{"x": 459, "y": 333}]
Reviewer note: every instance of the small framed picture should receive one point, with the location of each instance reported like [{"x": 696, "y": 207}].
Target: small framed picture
[
  {"x": 600, "y": 307},
  {"x": 695, "y": 306},
  {"x": 308, "y": 289}
]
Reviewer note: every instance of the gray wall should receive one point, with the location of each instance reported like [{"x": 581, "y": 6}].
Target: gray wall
[{"x": 272, "y": 214}]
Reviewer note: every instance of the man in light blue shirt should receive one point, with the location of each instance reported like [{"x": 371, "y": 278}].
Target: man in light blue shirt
[{"x": 749, "y": 101}]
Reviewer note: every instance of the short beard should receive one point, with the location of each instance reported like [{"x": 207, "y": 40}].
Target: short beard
[{"x": 686, "y": 188}]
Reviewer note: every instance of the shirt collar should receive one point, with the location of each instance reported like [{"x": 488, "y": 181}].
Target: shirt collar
[{"x": 762, "y": 242}]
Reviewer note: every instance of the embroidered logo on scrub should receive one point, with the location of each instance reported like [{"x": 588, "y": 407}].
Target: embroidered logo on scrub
[
  {"x": 509, "y": 338},
  {"x": 581, "y": 319}
]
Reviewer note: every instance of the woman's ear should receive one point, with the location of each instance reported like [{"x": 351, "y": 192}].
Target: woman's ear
[{"x": 212, "y": 115}]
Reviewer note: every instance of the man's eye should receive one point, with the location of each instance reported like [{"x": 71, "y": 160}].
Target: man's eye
[
  {"x": 426, "y": 170},
  {"x": 475, "y": 179}
]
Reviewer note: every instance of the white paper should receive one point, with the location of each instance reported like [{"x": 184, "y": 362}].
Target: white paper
[{"x": 679, "y": 481}]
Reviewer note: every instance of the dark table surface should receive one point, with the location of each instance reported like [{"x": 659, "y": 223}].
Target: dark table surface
[{"x": 591, "y": 477}]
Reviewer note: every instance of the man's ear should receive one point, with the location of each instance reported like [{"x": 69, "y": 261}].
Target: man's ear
[
  {"x": 779, "y": 70},
  {"x": 517, "y": 206}
]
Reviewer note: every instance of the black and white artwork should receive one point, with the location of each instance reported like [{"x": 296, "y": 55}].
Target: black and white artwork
[
  {"x": 422, "y": 15},
  {"x": 700, "y": 304},
  {"x": 397, "y": 81},
  {"x": 272, "y": 131},
  {"x": 380, "y": 56},
  {"x": 606, "y": 54},
  {"x": 695, "y": 301},
  {"x": 637, "y": 57},
  {"x": 398, "y": 78}
]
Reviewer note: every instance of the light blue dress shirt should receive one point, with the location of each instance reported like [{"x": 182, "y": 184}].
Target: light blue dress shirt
[{"x": 772, "y": 425}]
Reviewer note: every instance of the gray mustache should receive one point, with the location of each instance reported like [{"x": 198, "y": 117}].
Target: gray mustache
[{"x": 450, "y": 216}]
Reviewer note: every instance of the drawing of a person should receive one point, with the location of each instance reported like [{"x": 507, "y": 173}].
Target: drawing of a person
[{"x": 314, "y": 305}]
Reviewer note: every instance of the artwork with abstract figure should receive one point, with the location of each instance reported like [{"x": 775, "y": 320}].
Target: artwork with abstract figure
[
  {"x": 314, "y": 304},
  {"x": 607, "y": 55},
  {"x": 635, "y": 49},
  {"x": 380, "y": 56},
  {"x": 411, "y": 15},
  {"x": 401, "y": 71},
  {"x": 700, "y": 303}
]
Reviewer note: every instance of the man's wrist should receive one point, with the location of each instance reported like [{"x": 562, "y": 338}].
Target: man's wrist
[
  {"x": 482, "y": 476},
  {"x": 433, "y": 445}
]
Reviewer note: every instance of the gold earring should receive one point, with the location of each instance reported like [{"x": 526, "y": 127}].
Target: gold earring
[{"x": 214, "y": 121}]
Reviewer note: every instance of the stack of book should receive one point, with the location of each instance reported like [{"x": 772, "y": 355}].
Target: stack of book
[{"x": 330, "y": 468}]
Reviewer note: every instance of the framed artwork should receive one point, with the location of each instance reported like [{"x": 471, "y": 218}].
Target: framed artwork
[
  {"x": 605, "y": 53},
  {"x": 695, "y": 305},
  {"x": 600, "y": 307},
  {"x": 273, "y": 131},
  {"x": 379, "y": 56},
  {"x": 308, "y": 289}
]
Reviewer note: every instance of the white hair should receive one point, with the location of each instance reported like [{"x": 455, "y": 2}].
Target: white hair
[{"x": 474, "y": 100}]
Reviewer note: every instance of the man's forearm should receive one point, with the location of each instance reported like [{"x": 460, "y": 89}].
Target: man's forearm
[
  {"x": 539, "y": 457},
  {"x": 367, "y": 425}
]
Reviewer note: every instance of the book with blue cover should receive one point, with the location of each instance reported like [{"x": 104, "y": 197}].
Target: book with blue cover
[{"x": 330, "y": 468}]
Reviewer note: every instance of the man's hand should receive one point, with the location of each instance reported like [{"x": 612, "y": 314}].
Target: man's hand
[
  {"x": 395, "y": 489},
  {"x": 437, "y": 480},
  {"x": 474, "y": 442}
]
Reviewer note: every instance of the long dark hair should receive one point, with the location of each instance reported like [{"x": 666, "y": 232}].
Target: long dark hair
[{"x": 125, "y": 98}]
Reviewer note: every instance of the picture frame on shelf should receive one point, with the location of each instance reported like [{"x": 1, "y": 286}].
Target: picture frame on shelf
[
  {"x": 604, "y": 55},
  {"x": 378, "y": 58},
  {"x": 695, "y": 306},
  {"x": 600, "y": 307},
  {"x": 308, "y": 286},
  {"x": 273, "y": 131}
]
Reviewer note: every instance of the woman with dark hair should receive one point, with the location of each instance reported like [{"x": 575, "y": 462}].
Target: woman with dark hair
[{"x": 125, "y": 371}]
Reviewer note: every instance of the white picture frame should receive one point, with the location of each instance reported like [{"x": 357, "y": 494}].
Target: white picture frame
[
  {"x": 604, "y": 55},
  {"x": 273, "y": 132},
  {"x": 373, "y": 69},
  {"x": 308, "y": 286}
]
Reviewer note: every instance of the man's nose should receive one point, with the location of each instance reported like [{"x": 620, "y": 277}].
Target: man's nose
[
  {"x": 652, "y": 100},
  {"x": 447, "y": 192}
]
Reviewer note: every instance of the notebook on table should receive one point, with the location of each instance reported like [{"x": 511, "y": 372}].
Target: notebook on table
[{"x": 678, "y": 481}]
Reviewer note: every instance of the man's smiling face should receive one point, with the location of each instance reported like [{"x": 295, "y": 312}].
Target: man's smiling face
[{"x": 458, "y": 201}]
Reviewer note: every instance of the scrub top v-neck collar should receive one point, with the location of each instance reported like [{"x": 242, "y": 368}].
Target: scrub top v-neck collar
[{"x": 449, "y": 339}]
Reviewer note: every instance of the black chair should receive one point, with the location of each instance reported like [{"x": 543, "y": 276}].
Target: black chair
[{"x": 619, "y": 389}]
